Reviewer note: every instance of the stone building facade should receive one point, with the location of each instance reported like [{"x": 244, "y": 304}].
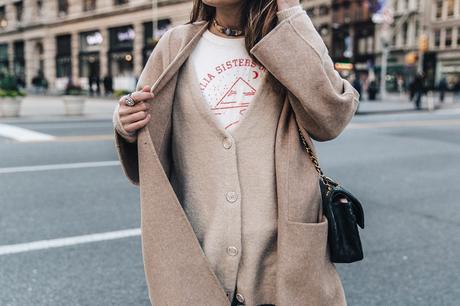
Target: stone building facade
[
  {"x": 320, "y": 13},
  {"x": 79, "y": 39},
  {"x": 411, "y": 17},
  {"x": 353, "y": 35},
  {"x": 443, "y": 19}
]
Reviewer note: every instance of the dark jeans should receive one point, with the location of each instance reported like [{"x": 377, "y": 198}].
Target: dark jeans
[
  {"x": 236, "y": 303},
  {"x": 418, "y": 99}
]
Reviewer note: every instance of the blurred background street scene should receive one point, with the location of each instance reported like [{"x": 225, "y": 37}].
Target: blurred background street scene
[{"x": 69, "y": 218}]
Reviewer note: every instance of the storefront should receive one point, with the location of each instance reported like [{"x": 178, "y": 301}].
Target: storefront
[
  {"x": 151, "y": 38},
  {"x": 4, "y": 64},
  {"x": 449, "y": 67},
  {"x": 399, "y": 73},
  {"x": 89, "y": 58},
  {"x": 63, "y": 61},
  {"x": 121, "y": 65},
  {"x": 19, "y": 62}
]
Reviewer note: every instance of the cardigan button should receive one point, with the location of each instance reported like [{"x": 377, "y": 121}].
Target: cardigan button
[
  {"x": 231, "y": 196},
  {"x": 240, "y": 297},
  {"x": 232, "y": 251},
  {"x": 227, "y": 143}
]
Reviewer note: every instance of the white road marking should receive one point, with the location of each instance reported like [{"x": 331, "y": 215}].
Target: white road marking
[
  {"x": 454, "y": 111},
  {"x": 62, "y": 242},
  {"x": 108, "y": 163},
  {"x": 404, "y": 123},
  {"x": 57, "y": 126},
  {"x": 21, "y": 134}
]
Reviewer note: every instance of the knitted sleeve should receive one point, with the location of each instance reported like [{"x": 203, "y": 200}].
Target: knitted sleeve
[{"x": 294, "y": 52}]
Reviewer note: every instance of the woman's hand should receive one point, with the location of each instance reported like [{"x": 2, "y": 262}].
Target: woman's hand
[
  {"x": 284, "y": 4},
  {"x": 135, "y": 117}
]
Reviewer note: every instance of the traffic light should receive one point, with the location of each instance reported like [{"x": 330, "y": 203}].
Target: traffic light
[
  {"x": 411, "y": 58},
  {"x": 423, "y": 43}
]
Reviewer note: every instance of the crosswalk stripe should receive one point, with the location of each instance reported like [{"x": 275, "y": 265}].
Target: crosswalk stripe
[
  {"x": 21, "y": 134},
  {"x": 59, "y": 166},
  {"x": 68, "y": 241}
]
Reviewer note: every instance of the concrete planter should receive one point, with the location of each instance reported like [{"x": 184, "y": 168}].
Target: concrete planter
[
  {"x": 10, "y": 107},
  {"x": 74, "y": 105}
]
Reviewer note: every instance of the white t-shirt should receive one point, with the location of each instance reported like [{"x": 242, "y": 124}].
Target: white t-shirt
[{"x": 227, "y": 76}]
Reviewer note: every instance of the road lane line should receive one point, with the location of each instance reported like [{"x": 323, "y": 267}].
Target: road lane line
[
  {"x": 21, "y": 134},
  {"x": 108, "y": 163},
  {"x": 406, "y": 123},
  {"x": 62, "y": 242},
  {"x": 85, "y": 138}
]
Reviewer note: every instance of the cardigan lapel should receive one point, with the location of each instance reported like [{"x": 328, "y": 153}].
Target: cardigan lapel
[
  {"x": 189, "y": 43},
  {"x": 166, "y": 231},
  {"x": 162, "y": 83}
]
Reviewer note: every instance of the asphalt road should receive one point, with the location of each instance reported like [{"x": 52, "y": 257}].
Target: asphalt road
[{"x": 405, "y": 168}]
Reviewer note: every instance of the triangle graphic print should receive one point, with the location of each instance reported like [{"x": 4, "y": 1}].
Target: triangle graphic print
[{"x": 235, "y": 99}]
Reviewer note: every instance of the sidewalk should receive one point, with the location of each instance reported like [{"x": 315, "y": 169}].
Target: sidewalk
[
  {"x": 50, "y": 108},
  {"x": 396, "y": 103}
]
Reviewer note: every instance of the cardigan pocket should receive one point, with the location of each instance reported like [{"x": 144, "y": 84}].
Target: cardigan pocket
[
  {"x": 305, "y": 264},
  {"x": 311, "y": 239}
]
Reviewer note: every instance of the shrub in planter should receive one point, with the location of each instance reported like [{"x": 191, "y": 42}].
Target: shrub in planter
[
  {"x": 74, "y": 100},
  {"x": 120, "y": 92},
  {"x": 10, "y": 96}
]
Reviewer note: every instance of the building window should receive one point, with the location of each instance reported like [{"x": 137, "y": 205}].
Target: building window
[
  {"x": 63, "y": 7},
  {"x": 151, "y": 37},
  {"x": 121, "y": 51},
  {"x": 89, "y": 5},
  {"x": 404, "y": 33},
  {"x": 458, "y": 36},
  {"x": 439, "y": 4},
  {"x": 437, "y": 38},
  {"x": 19, "y": 10},
  {"x": 370, "y": 45},
  {"x": 19, "y": 62},
  {"x": 64, "y": 56},
  {"x": 89, "y": 56},
  {"x": 3, "y": 21},
  {"x": 3, "y": 59},
  {"x": 311, "y": 11},
  {"x": 323, "y": 10},
  {"x": 448, "y": 40},
  {"x": 450, "y": 8},
  {"x": 120, "y": 2},
  {"x": 324, "y": 30},
  {"x": 39, "y": 5}
]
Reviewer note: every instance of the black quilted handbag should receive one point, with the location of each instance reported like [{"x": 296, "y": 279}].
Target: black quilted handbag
[{"x": 343, "y": 216}]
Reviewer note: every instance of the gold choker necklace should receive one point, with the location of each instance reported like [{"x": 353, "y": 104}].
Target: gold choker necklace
[{"x": 227, "y": 31}]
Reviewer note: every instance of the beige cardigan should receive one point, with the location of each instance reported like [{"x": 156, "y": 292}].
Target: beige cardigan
[
  {"x": 225, "y": 181},
  {"x": 318, "y": 100}
]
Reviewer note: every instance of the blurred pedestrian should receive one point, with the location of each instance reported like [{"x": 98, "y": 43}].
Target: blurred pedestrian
[
  {"x": 357, "y": 83},
  {"x": 418, "y": 89},
  {"x": 97, "y": 81},
  {"x": 108, "y": 85},
  {"x": 91, "y": 84},
  {"x": 442, "y": 87},
  {"x": 457, "y": 89},
  {"x": 372, "y": 90}
]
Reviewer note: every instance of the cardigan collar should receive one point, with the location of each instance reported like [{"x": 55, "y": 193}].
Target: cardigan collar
[{"x": 189, "y": 41}]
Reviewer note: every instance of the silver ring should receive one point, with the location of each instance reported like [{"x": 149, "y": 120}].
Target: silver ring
[{"x": 129, "y": 100}]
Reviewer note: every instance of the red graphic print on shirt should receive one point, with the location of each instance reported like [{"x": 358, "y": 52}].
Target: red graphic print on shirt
[{"x": 229, "y": 89}]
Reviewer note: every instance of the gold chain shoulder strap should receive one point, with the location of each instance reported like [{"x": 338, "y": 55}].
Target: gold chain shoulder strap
[{"x": 326, "y": 180}]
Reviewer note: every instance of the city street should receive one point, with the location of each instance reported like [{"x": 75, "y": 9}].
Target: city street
[{"x": 69, "y": 218}]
